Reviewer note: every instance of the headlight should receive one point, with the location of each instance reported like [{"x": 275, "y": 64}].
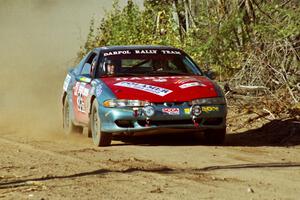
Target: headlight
[
  {"x": 112, "y": 103},
  {"x": 208, "y": 101}
]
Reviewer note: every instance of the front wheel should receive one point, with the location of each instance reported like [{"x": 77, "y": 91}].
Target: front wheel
[
  {"x": 99, "y": 138},
  {"x": 215, "y": 136}
]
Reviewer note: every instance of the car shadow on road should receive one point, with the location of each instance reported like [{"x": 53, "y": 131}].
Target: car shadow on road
[
  {"x": 160, "y": 139},
  {"x": 274, "y": 133}
]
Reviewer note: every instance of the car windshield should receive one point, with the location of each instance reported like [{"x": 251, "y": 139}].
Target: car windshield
[{"x": 160, "y": 63}]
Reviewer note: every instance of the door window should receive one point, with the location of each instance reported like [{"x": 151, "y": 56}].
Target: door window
[{"x": 90, "y": 62}]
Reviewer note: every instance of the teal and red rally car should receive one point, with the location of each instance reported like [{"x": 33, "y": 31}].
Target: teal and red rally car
[{"x": 133, "y": 89}]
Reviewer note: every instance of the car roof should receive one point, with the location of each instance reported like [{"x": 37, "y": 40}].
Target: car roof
[{"x": 135, "y": 47}]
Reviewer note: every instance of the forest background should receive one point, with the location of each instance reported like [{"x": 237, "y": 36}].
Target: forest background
[{"x": 252, "y": 45}]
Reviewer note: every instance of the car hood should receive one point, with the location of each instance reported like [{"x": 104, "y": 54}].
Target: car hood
[{"x": 161, "y": 89}]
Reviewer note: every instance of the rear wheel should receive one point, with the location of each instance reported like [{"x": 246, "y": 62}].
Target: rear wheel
[
  {"x": 69, "y": 127},
  {"x": 99, "y": 138},
  {"x": 215, "y": 136}
]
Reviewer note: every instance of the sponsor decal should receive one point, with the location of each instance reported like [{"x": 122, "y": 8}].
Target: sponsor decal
[
  {"x": 66, "y": 82},
  {"x": 205, "y": 109},
  {"x": 98, "y": 90},
  {"x": 208, "y": 109},
  {"x": 113, "y": 53},
  {"x": 82, "y": 90},
  {"x": 170, "y": 52},
  {"x": 187, "y": 111},
  {"x": 135, "y": 78},
  {"x": 144, "y": 87},
  {"x": 151, "y": 78},
  {"x": 76, "y": 88},
  {"x": 142, "y": 51},
  {"x": 147, "y": 51},
  {"x": 95, "y": 81},
  {"x": 193, "y": 84},
  {"x": 85, "y": 79},
  {"x": 171, "y": 111},
  {"x": 86, "y": 92},
  {"x": 182, "y": 81},
  {"x": 80, "y": 103}
]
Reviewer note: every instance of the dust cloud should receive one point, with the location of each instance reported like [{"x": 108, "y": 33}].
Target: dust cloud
[{"x": 38, "y": 43}]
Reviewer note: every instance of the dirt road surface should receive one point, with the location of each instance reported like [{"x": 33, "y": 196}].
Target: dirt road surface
[{"x": 254, "y": 164}]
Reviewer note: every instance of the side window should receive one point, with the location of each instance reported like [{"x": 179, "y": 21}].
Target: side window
[
  {"x": 190, "y": 66},
  {"x": 100, "y": 69},
  {"x": 86, "y": 69}
]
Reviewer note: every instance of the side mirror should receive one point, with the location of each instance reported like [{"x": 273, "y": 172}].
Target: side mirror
[
  {"x": 83, "y": 79},
  {"x": 210, "y": 74}
]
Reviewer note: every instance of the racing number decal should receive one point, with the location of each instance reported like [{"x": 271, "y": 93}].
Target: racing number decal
[
  {"x": 80, "y": 93},
  {"x": 80, "y": 103}
]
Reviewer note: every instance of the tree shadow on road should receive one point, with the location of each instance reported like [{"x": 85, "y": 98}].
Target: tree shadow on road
[
  {"x": 8, "y": 184},
  {"x": 274, "y": 133}
]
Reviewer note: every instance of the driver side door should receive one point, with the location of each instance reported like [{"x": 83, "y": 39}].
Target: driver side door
[{"x": 82, "y": 91}]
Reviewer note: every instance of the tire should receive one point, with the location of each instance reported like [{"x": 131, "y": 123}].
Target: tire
[
  {"x": 69, "y": 127},
  {"x": 215, "y": 136},
  {"x": 99, "y": 138}
]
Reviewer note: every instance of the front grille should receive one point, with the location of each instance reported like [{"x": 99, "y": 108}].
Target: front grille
[{"x": 213, "y": 121}]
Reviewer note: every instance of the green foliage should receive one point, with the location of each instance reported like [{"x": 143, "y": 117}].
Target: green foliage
[{"x": 222, "y": 34}]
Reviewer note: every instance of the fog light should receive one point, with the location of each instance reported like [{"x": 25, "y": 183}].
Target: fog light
[
  {"x": 148, "y": 111},
  {"x": 196, "y": 110}
]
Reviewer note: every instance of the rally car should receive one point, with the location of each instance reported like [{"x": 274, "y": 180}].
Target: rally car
[{"x": 134, "y": 89}]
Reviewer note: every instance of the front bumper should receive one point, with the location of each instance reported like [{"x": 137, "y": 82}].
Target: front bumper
[{"x": 118, "y": 120}]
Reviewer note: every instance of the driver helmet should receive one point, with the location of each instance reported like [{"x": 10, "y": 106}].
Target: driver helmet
[{"x": 107, "y": 63}]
